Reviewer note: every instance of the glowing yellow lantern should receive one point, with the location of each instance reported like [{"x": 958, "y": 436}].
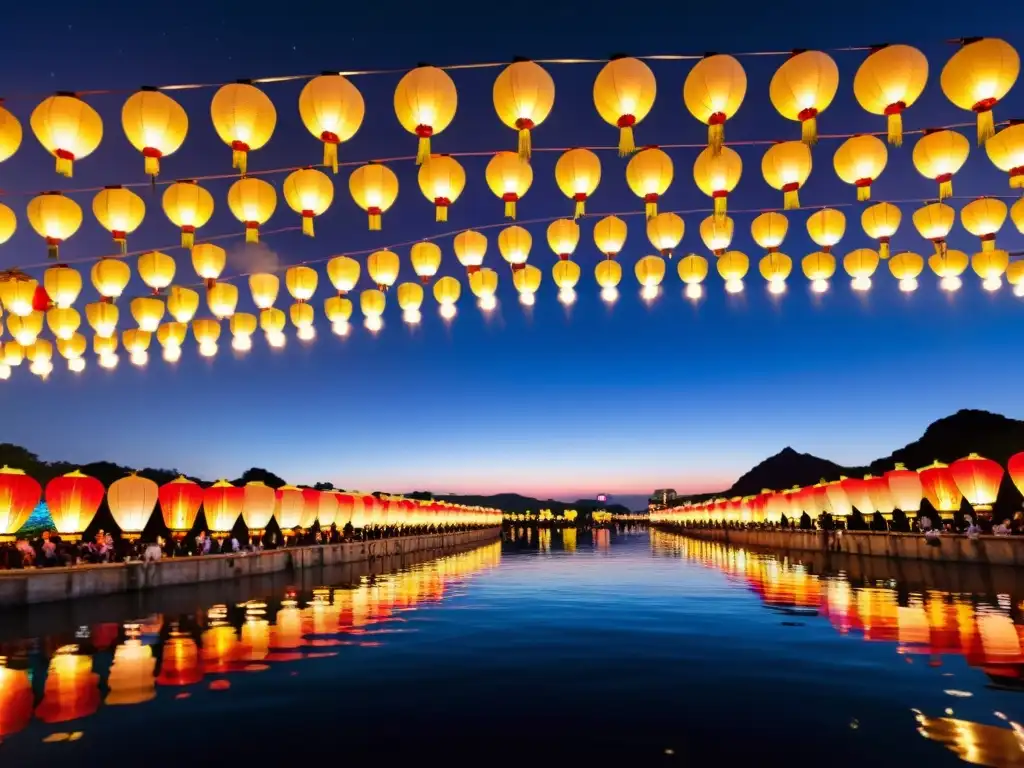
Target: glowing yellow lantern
[
  {"x": 258, "y": 504},
  {"x": 10, "y": 134},
  {"x": 624, "y": 93},
  {"x": 441, "y": 180},
  {"x": 62, "y": 284},
  {"x": 54, "y": 218},
  {"x": 527, "y": 282},
  {"x": 983, "y": 218},
  {"x": 446, "y": 293},
  {"x": 425, "y": 258},
  {"x": 566, "y": 275},
  {"x": 301, "y": 282},
  {"x": 509, "y": 178},
  {"x": 1006, "y": 151},
  {"x": 382, "y": 267},
  {"x": 155, "y": 125},
  {"x": 105, "y": 348},
  {"x": 272, "y": 321},
  {"x": 244, "y": 118},
  {"x": 819, "y": 267},
  {"x": 72, "y": 348},
  {"x": 14, "y": 353},
  {"x": 182, "y": 303},
  {"x": 470, "y": 247},
  {"x": 717, "y": 234},
  {"x": 949, "y": 266},
  {"x": 425, "y": 102},
  {"x": 374, "y": 187},
  {"x": 189, "y": 207},
  {"x": 308, "y": 192},
  {"x": 577, "y": 173},
  {"x": 935, "y": 221},
  {"x": 68, "y": 128},
  {"x": 209, "y": 260},
  {"x": 826, "y": 227},
  {"x": 222, "y": 299},
  {"x": 665, "y": 232},
  {"x": 303, "y": 317},
  {"x": 713, "y": 92},
  {"x": 156, "y": 270},
  {"x": 8, "y": 221},
  {"x": 484, "y": 284},
  {"x": 786, "y": 167},
  {"x": 610, "y": 234},
  {"x": 608, "y": 274},
  {"x": 26, "y": 328},
  {"x": 563, "y": 237},
  {"x": 17, "y": 292},
  {"x": 860, "y": 265},
  {"x": 717, "y": 174},
  {"x": 63, "y": 322},
  {"x": 242, "y": 326},
  {"x": 252, "y": 201},
  {"x": 371, "y": 304},
  {"x": 338, "y": 311},
  {"x": 649, "y": 174},
  {"x": 136, "y": 343},
  {"x": 119, "y": 211},
  {"x": 1017, "y": 215},
  {"x": 410, "y": 299},
  {"x": 880, "y": 222},
  {"x": 906, "y": 267},
  {"x": 769, "y": 230},
  {"x": 650, "y": 271},
  {"x": 102, "y": 318},
  {"x": 733, "y": 267},
  {"x": 523, "y": 96},
  {"x": 170, "y": 335},
  {"x": 990, "y": 265},
  {"x": 110, "y": 277},
  {"x": 1015, "y": 277},
  {"x": 343, "y": 272},
  {"x": 332, "y": 109},
  {"x": 206, "y": 331},
  {"x": 940, "y": 154},
  {"x": 803, "y": 87},
  {"x": 148, "y": 312},
  {"x": 514, "y": 243},
  {"x": 774, "y": 267},
  {"x": 889, "y": 81},
  {"x": 859, "y": 161},
  {"x": 978, "y": 76}
]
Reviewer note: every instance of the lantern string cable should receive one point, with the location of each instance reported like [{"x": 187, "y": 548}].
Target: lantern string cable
[
  {"x": 474, "y": 153},
  {"x": 448, "y": 67},
  {"x": 810, "y": 209}
]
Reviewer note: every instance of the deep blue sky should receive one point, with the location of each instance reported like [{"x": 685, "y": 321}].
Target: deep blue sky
[{"x": 568, "y": 403}]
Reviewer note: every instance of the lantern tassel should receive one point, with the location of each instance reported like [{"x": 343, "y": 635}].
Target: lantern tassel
[
  {"x": 331, "y": 155},
  {"x": 188, "y": 237},
  {"x": 986, "y": 127},
  {"x": 152, "y": 166},
  {"x": 863, "y": 191},
  {"x": 510, "y": 209},
  {"x": 65, "y": 162},
  {"x": 239, "y": 160},
  {"x": 716, "y": 137},
  {"x": 809, "y": 131},
  {"x": 945, "y": 188},
  {"x": 721, "y": 205},
  {"x": 307, "y": 224},
  {"x": 525, "y": 144},
  {"x": 627, "y": 145},
  {"x": 121, "y": 241},
  {"x": 896, "y": 129},
  {"x": 423, "y": 150},
  {"x": 374, "y": 222},
  {"x": 791, "y": 199},
  {"x": 252, "y": 232},
  {"x": 440, "y": 213},
  {"x": 883, "y": 248},
  {"x": 988, "y": 243},
  {"x": 581, "y": 205}
]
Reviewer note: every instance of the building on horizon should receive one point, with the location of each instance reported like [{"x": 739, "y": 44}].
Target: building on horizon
[{"x": 661, "y": 498}]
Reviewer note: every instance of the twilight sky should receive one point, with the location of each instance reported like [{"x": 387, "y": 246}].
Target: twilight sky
[{"x": 554, "y": 401}]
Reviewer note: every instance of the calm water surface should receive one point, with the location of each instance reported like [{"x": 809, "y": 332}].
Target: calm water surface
[{"x": 550, "y": 646}]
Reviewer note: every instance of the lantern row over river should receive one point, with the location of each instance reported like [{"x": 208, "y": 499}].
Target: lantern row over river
[
  {"x": 973, "y": 478},
  {"x": 74, "y": 498}
]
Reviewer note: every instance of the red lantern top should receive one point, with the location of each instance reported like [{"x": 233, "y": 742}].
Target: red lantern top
[
  {"x": 180, "y": 500},
  {"x": 905, "y": 488},
  {"x": 310, "y": 507},
  {"x": 978, "y": 479},
  {"x": 19, "y": 495},
  {"x": 940, "y": 488},
  {"x": 881, "y": 498},
  {"x": 1016, "y": 468},
  {"x": 838, "y": 500},
  {"x": 73, "y": 500},
  {"x": 372, "y": 510},
  {"x": 857, "y": 493}
]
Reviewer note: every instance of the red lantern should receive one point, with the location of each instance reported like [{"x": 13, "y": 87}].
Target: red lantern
[
  {"x": 41, "y": 299},
  {"x": 346, "y": 508},
  {"x": 180, "y": 500},
  {"x": 1016, "y": 468},
  {"x": 857, "y": 493},
  {"x": 978, "y": 479},
  {"x": 905, "y": 488},
  {"x": 371, "y": 510},
  {"x": 940, "y": 488},
  {"x": 881, "y": 498},
  {"x": 222, "y": 503},
  {"x": 73, "y": 500},
  {"x": 838, "y": 501},
  {"x": 19, "y": 495},
  {"x": 310, "y": 507}
]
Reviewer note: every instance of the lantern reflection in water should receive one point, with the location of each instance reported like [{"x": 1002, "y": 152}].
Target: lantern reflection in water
[
  {"x": 132, "y": 677},
  {"x": 72, "y": 688},
  {"x": 179, "y": 661},
  {"x": 220, "y": 643},
  {"x": 16, "y": 699}
]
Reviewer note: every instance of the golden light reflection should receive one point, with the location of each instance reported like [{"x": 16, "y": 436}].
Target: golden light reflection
[
  {"x": 16, "y": 699},
  {"x": 975, "y": 743},
  {"x": 71, "y": 690},
  {"x": 132, "y": 678}
]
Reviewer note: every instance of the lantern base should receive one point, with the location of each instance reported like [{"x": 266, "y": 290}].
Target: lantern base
[
  {"x": 8, "y": 538},
  {"x": 70, "y": 537},
  {"x": 131, "y": 536}
]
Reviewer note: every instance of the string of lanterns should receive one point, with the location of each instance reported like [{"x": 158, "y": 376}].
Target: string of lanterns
[
  {"x": 973, "y": 478},
  {"x": 74, "y": 498}
]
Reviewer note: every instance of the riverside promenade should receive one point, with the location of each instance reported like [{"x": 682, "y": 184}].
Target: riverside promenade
[{"x": 33, "y": 586}]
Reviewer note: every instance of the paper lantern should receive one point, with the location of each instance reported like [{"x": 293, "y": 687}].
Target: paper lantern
[
  {"x": 222, "y": 504},
  {"x": 332, "y": 109},
  {"x": 132, "y": 500},
  {"x": 63, "y": 323},
  {"x": 905, "y": 488},
  {"x": 769, "y": 230},
  {"x": 693, "y": 269},
  {"x": 222, "y": 300},
  {"x": 382, "y": 267},
  {"x": 73, "y": 347},
  {"x": 983, "y": 218},
  {"x": 252, "y": 201},
  {"x": 888, "y": 82},
  {"x": 63, "y": 284},
  {"x": 786, "y": 167},
  {"x": 949, "y": 266},
  {"x": 939, "y": 155},
  {"x": 148, "y": 312},
  {"x": 374, "y": 187},
  {"x": 258, "y": 502},
  {"x": 665, "y": 232},
  {"x": 102, "y": 318},
  {"x": 1015, "y": 466},
  {"x": 208, "y": 261},
  {"x": 563, "y": 237},
  {"x": 441, "y": 180},
  {"x": 470, "y": 247},
  {"x": 289, "y": 506},
  {"x": 272, "y": 321},
  {"x": 610, "y": 234},
  {"x": 110, "y": 277},
  {"x": 338, "y": 311},
  {"x": 1006, "y": 151},
  {"x": 308, "y": 192},
  {"x": 26, "y": 329},
  {"x": 906, "y": 267},
  {"x": 301, "y": 282},
  {"x": 717, "y": 174},
  {"x": 182, "y": 303},
  {"x": 425, "y": 258},
  {"x": 311, "y": 501},
  {"x": 880, "y": 222},
  {"x": 207, "y": 332},
  {"x": 189, "y": 207},
  {"x": 54, "y": 218},
  {"x": 624, "y": 93},
  {"x": 180, "y": 500},
  {"x": 934, "y": 222},
  {"x": 713, "y": 92},
  {"x": 837, "y": 500},
  {"x": 131, "y": 679},
  {"x": 10, "y": 134},
  {"x": 19, "y": 496},
  {"x": 856, "y": 491},
  {"x": 14, "y": 353},
  {"x": 1015, "y": 276},
  {"x": 425, "y": 102},
  {"x": 859, "y": 161},
  {"x": 71, "y": 690},
  {"x": 410, "y": 299},
  {"x": 775, "y": 267},
  {"x": 119, "y": 211},
  {"x": 16, "y": 700},
  {"x": 514, "y": 243},
  {"x": 650, "y": 271},
  {"x": 244, "y": 118},
  {"x": 343, "y": 272},
  {"x": 8, "y": 221},
  {"x": 577, "y": 174},
  {"x": 733, "y": 267},
  {"x": 371, "y": 304},
  {"x": 608, "y": 274},
  {"x": 446, "y": 293},
  {"x": 649, "y": 174},
  {"x": 566, "y": 274},
  {"x": 523, "y": 96},
  {"x": 73, "y": 500},
  {"x": 717, "y": 234},
  {"x": 484, "y": 283},
  {"x": 990, "y": 267},
  {"x": 509, "y": 178},
  {"x": 978, "y": 76},
  {"x": 155, "y": 125},
  {"x": 68, "y": 128},
  {"x": 803, "y": 87},
  {"x": 939, "y": 487},
  {"x": 978, "y": 480},
  {"x": 527, "y": 282},
  {"x": 242, "y": 326},
  {"x": 818, "y": 267}
]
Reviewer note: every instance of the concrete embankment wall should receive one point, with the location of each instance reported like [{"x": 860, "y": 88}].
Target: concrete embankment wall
[
  {"x": 28, "y": 587},
  {"x": 989, "y": 550}
]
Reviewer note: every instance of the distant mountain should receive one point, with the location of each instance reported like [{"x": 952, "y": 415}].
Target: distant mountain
[{"x": 514, "y": 502}]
